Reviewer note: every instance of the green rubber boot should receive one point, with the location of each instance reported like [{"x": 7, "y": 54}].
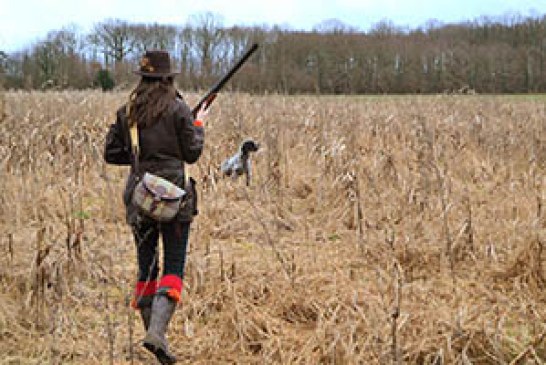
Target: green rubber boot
[
  {"x": 145, "y": 307},
  {"x": 155, "y": 341}
]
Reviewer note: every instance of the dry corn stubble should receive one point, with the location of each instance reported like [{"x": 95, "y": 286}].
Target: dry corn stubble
[{"x": 376, "y": 230}]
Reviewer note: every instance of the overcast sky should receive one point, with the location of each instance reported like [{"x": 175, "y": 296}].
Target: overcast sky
[{"x": 25, "y": 21}]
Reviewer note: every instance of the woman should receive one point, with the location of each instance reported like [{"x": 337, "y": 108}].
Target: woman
[{"x": 168, "y": 135}]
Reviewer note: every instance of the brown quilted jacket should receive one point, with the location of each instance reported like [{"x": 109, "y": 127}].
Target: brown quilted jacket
[{"x": 164, "y": 147}]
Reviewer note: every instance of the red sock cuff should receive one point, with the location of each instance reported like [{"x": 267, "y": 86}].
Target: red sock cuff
[
  {"x": 144, "y": 288},
  {"x": 171, "y": 281},
  {"x": 171, "y": 285}
]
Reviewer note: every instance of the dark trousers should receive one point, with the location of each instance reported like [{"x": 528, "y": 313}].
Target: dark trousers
[{"x": 175, "y": 241}]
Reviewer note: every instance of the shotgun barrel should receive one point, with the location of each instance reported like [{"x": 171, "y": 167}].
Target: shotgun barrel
[{"x": 211, "y": 94}]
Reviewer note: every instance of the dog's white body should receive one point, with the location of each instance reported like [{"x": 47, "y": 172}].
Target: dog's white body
[{"x": 239, "y": 164}]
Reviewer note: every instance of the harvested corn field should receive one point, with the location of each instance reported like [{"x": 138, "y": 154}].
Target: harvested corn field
[{"x": 376, "y": 230}]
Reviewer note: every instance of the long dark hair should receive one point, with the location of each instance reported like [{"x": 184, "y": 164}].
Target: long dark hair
[{"x": 150, "y": 100}]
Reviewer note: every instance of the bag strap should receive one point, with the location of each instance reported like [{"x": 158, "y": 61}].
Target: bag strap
[
  {"x": 133, "y": 136},
  {"x": 178, "y": 139}
]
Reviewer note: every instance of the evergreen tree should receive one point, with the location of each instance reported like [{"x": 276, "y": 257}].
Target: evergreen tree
[{"x": 104, "y": 80}]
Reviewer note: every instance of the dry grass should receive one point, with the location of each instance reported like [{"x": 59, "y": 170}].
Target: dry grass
[{"x": 377, "y": 230}]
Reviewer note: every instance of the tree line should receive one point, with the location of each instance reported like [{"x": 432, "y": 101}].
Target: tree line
[{"x": 487, "y": 55}]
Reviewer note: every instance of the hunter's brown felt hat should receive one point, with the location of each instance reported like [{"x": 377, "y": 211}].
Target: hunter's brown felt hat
[{"x": 155, "y": 64}]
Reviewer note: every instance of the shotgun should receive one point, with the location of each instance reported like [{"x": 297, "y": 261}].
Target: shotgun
[{"x": 211, "y": 94}]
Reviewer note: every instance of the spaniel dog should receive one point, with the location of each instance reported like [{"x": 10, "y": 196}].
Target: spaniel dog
[{"x": 239, "y": 164}]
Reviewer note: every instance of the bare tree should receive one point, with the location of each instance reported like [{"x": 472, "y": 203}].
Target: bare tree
[
  {"x": 207, "y": 37},
  {"x": 153, "y": 36},
  {"x": 3, "y": 61},
  {"x": 187, "y": 64},
  {"x": 334, "y": 25},
  {"x": 115, "y": 39}
]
